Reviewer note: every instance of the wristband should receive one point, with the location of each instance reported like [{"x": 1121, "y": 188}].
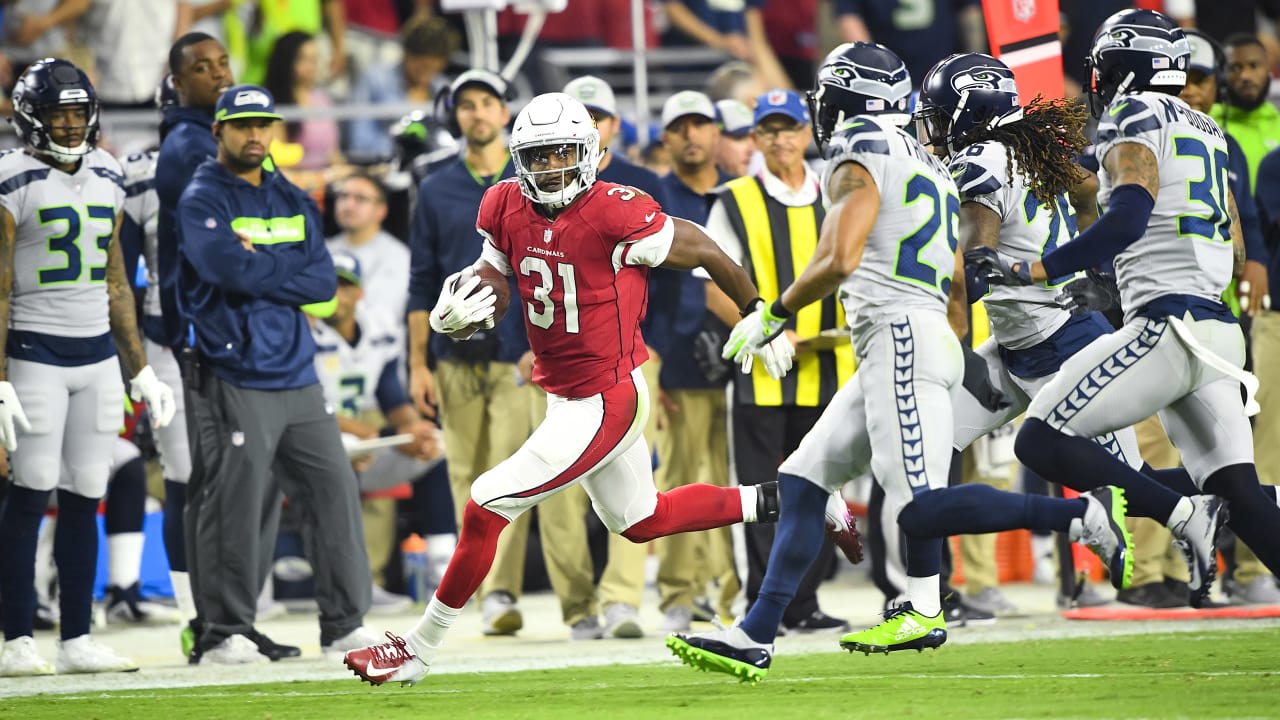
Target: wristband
[
  {"x": 751, "y": 306},
  {"x": 778, "y": 311}
]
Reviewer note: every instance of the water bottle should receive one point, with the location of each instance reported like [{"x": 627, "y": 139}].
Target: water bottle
[{"x": 417, "y": 567}]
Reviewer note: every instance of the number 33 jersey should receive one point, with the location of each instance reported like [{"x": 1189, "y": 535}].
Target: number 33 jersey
[
  {"x": 910, "y": 253},
  {"x": 64, "y": 226},
  {"x": 582, "y": 279},
  {"x": 1187, "y": 247}
]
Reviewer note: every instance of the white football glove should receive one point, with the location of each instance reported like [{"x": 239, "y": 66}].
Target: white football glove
[
  {"x": 11, "y": 412},
  {"x": 777, "y": 356},
  {"x": 158, "y": 396},
  {"x": 760, "y": 333},
  {"x": 455, "y": 311}
]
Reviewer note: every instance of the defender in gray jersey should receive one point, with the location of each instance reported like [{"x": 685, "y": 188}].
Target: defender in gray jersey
[
  {"x": 889, "y": 247},
  {"x": 1168, "y": 226},
  {"x": 68, "y": 306},
  {"x": 1014, "y": 168}
]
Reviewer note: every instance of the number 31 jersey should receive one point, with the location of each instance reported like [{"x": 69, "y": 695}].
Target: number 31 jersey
[
  {"x": 582, "y": 279},
  {"x": 64, "y": 226},
  {"x": 910, "y": 253},
  {"x": 1187, "y": 247}
]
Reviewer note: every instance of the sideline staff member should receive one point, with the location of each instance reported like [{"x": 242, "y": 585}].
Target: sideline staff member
[{"x": 251, "y": 253}]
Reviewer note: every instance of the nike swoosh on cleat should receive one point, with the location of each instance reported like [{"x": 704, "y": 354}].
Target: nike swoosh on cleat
[{"x": 375, "y": 672}]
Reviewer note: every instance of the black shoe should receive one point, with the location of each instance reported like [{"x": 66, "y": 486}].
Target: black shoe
[
  {"x": 702, "y": 610},
  {"x": 1181, "y": 592},
  {"x": 818, "y": 622},
  {"x": 697, "y": 649},
  {"x": 958, "y": 613},
  {"x": 271, "y": 649},
  {"x": 1153, "y": 595},
  {"x": 767, "y": 501}
]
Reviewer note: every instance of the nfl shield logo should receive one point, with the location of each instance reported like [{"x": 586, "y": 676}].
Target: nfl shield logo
[
  {"x": 237, "y": 438},
  {"x": 1024, "y": 10},
  {"x": 546, "y": 236}
]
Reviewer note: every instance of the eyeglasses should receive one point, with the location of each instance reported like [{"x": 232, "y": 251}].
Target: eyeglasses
[
  {"x": 357, "y": 197},
  {"x": 769, "y": 132}
]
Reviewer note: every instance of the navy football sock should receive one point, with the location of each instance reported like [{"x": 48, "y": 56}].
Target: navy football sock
[
  {"x": 977, "y": 509},
  {"x": 1253, "y": 516},
  {"x": 75, "y": 550},
  {"x": 433, "y": 499},
  {"x": 175, "y": 503},
  {"x": 126, "y": 498},
  {"x": 1082, "y": 464},
  {"x": 796, "y": 543},
  {"x": 1176, "y": 479},
  {"x": 19, "y": 531}
]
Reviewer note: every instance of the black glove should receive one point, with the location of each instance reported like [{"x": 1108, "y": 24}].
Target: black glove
[
  {"x": 989, "y": 267},
  {"x": 975, "y": 287},
  {"x": 1095, "y": 291},
  {"x": 977, "y": 381}
]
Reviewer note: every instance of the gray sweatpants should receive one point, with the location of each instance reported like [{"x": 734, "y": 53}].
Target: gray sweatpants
[{"x": 247, "y": 447}]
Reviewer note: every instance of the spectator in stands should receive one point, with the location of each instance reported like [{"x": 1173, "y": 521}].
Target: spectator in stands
[
  {"x": 418, "y": 78},
  {"x": 920, "y": 33},
  {"x": 736, "y": 145},
  {"x": 484, "y": 406},
  {"x": 790, "y": 28},
  {"x": 692, "y": 389},
  {"x": 127, "y": 39},
  {"x": 720, "y": 25},
  {"x": 277, "y": 17},
  {"x": 799, "y": 16},
  {"x": 360, "y": 208},
  {"x": 201, "y": 16},
  {"x": 293, "y": 78},
  {"x": 35, "y": 29},
  {"x": 735, "y": 80}
]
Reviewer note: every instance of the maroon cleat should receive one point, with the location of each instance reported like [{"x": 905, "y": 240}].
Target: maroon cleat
[
  {"x": 842, "y": 529},
  {"x": 388, "y": 662}
]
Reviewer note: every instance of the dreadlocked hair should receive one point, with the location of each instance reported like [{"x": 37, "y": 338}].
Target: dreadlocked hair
[{"x": 1045, "y": 144}]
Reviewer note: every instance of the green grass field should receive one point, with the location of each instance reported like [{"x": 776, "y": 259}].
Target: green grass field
[{"x": 1192, "y": 675}]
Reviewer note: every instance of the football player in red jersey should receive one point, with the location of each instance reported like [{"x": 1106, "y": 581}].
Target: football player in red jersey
[{"x": 580, "y": 251}]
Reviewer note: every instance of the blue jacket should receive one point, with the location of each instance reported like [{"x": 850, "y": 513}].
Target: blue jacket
[
  {"x": 187, "y": 142},
  {"x": 243, "y": 305},
  {"x": 443, "y": 240}
]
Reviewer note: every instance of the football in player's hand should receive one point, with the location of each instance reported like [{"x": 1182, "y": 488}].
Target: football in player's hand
[{"x": 495, "y": 280}]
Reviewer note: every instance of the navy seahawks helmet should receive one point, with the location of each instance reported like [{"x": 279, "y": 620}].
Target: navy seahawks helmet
[
  {"x": 44, "y": 87},
  {"x": 963, "y": 93},
  {"x": 859, "y": 78},
  {"x": 1136, "y": 50}
]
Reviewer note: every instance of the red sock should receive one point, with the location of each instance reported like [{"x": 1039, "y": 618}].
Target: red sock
[
  {"x": 688, "y": 508},
  {"x": 477, "y": 544}
]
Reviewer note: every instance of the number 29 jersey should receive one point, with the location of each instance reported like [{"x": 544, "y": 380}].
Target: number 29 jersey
[
  {"x": 64, "y": 227},
  {"x": 1187, "y": 247},
  {"x": 582, "y": 279},
  {"x": 911, "y": 250}
]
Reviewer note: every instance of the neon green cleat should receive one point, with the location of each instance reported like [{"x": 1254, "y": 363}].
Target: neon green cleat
[
  {"x": 188, "y": 640},
  {"x": 902, "y": 629},
  {"x": 728, "y": 651},
  {"x": 1104, "y": 531}
]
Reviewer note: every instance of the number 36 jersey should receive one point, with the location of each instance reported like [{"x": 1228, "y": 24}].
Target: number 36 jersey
[
  {"x": 582, "y": 279},
  {"x": 1187, "y": 247},
  {"x": 64, "y": 226},
  {"x": 910, "y": 253}
]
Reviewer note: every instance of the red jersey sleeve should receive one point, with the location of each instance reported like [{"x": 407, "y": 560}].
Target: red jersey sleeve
[
  {"x": 642, "y": 229},
  {"x": 493, "y": 207}
]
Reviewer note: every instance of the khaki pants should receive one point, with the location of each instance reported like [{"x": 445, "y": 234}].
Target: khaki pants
[
  {"x": 379, "y": 515},
  {"x": 1154, "y": 556},
  {"x": 485, "y": 417},
  {"x": 695, "y": 449},
  {"x": 1266, "y": 425},
  {"x": 563, "y": 529},
  {"x": 978, "y": 552}
]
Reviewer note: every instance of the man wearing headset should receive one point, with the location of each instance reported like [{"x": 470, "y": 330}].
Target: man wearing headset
[{"x": 484, "y": 405}]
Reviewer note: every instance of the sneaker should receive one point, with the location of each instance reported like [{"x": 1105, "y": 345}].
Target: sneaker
[
  {"x": 1151, "y": 595},
  {"x": 902, "y": 629},
  {"x": 1086, "y": 596},
  {"x": 235, "y": 650},
  {"x": 189, "y": 639},
  {"x": 1104, "y": 532},
  {"x": 384, "y": 602},
  {"x": 270, "y": 610},
  {"x": 959, "y": 613},
  {"x": 993, "y": 601},
  {"x": 1179, "y": 590},
  {"x": 85, "y": 655},
  {"x": 21, "y": 658},
  {"x": 818, "y": 622},
  {"x": 126, "y": 605},
  {"x": 767, "y": 502},
  {"x": 677, "y": 619},
  {"x": 842, "y": 529},
  {"x": 1196, "y": 537},
  {"x": 702, "y": 610},
  {"x": 622, "y": 621},
  {"x": 354, "y": 640},
  {"x": 387, "y": 662},
  {"x": 1261, "y": 590},
  {"x": 729, "y": 651},
  {"x": 270, "y": 649},
  {"x": 588, "y": 628},
  {"x": 46, "y": 617},
  {"x": 501, "y": 616}
]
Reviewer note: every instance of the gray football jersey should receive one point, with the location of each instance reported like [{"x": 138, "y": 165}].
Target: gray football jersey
[
  {"x": 1021, "y": 317},
  {"x": 1187, "y": 247},
  {"x": 349, "y": 375},
  {"x": 64, "y": 227},
  {"x": 910, "y": 253},
  {"x": 142, "y": 206}
]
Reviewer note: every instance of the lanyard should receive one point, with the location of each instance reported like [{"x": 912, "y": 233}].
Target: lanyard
[{"x": 480, "y": 178}]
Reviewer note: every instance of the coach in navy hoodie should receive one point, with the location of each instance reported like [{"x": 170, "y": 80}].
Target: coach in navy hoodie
[{"x": 251, "y": 255}]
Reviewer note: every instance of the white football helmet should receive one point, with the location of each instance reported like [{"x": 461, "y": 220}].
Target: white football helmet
[{"x": 555, "y": 122}]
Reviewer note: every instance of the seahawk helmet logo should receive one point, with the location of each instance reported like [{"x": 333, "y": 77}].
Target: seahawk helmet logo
[
  {"x": 983, "y": 78},
  {"x": 1172, "y": 44}
]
